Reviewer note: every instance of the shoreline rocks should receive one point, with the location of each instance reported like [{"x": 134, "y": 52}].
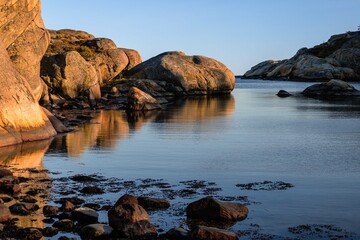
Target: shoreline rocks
[{"x": 335, "y": 59}]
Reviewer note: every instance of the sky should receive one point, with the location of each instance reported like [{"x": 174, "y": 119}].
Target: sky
[{"x": 239, "y": 33}]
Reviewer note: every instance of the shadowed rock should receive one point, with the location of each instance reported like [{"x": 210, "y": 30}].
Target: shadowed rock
[
  {"x": 211, "y": 233},
  {"x": 141, "y": 101},
  {"x": 333, "y": 88}
]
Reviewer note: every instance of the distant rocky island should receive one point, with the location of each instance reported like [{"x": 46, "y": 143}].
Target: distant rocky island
[{"x": 338, "y": 58}]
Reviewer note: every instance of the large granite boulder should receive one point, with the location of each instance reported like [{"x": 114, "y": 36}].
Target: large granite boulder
[
  {"x": 102, "y": 53},
  {"x": 21, "y": 117},
  {"x": 331, "y": 88},
  {"x": 193, "y": 74},
  {"x": 23, "y": 34},
  {"x": 69, "y": 75},
  {"x": 337, "y": 58}
]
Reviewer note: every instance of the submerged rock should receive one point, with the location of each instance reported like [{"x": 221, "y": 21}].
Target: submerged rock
[
  {"x": 193, "y": 74},
  {"x": 153, "y": 203},
  {"x": 333, "y": 87}
]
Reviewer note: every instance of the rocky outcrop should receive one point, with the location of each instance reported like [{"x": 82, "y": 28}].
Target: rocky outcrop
[
  {"x": 21, "y": 117},
  {"x": 23, "y": 34},
  {"x": 23, "y": 41},
  {"x": 331, "y": 88},
  {"x": 69, "y": 75},
  {"x": 337, "y": 58},
  {"x": 189, "y": 75},
  {"x": 101, "y": 54}
]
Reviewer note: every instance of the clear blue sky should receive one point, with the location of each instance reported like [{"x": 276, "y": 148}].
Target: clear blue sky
[{"x": 239, "y": 33}]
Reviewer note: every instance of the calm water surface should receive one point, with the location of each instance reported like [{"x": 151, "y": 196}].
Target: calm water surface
[{"x": 249, "y": 136}]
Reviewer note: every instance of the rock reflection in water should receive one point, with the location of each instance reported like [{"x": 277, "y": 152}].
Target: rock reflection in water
[
  {"x": 25, "y": 161},
  {"x": 108, "y": 127}
]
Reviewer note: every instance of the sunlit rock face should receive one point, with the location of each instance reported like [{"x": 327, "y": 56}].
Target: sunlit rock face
[
  {"x": 25, "y": 161},
  {"x": 23, "y": 41},
  {"x": 25, "y": 38},
  {"x": 21, "y": 118}
]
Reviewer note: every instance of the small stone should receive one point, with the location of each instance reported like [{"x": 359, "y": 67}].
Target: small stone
[
  {"x": 65, "y": 225},
  {"x": 5, "y": 213},
  {"x": 177, "y": 234},
  {"x": 211, "y": 233},
  {"x": 91, "y": 190},
  {"x": 50, "y": 210},
  {"x": 85, "y": 214},
  {"x": 23, "y": 209},
  {"x": 94, "y": 231},
  {"x": 32, "y": 234},
  {"x": 5, "y": 172},
  {"x": 153, "y": 203},
  {"x": 67, "y": 206},
  {"x": 50, "y": 231},
  {"x": 28, "y": 199},
  {"x": 209, "y": 209},
  {"x": 283, "y": 93}
]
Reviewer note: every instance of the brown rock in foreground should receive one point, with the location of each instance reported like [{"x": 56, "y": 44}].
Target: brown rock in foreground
[
  {"x": 211, "y": 233},
  {"x": 193, "y": 74},
  {"x": 130, "y": 220},
  {"x": 210, "y": 209}
]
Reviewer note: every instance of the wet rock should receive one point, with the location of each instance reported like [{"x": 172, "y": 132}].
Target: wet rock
[
  {"x": 130, "y": 219},
  {"x": 283, "y": 93},
  {"x": 28, "y": 199},
  {"x": 193, "y": 74},
  {"x": 93, "y": 206},
  {"x": 209, "y": 209},
  {"x": 177, "y": 234},
  {"x": 5, "y": 213},
  {"x": 91, "y": 190},
  {"x": 84, "y": 178},
  {"x": 67, "y": 206},
  {"x": 23, "y": 208},
  {"x": 5, "y": 172},
  {"x": 141, "y": 101},
  {"x": 85, "y": 215},
  {"x": 333, "y": 88},
  {"x": 153, "y": 203},
  {"x": 50, "y": 210},
  {"x": 31, "y": 233},
  {"x": 74, "y": 200},
  {"x": 50, "y": 231},
  {"x": 211, "y": 233},
  {"x": 96, "y": 231},
  {"x": 65, "y": 225}
]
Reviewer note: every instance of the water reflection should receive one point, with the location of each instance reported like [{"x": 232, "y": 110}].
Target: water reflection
[
  {"x": 25, "y": 161},
  {"x": 108, "y": 127}
]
